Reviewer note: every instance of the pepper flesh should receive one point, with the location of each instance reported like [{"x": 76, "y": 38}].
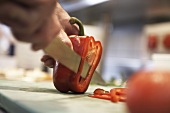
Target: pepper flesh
[{"x": 66, "y": 80}]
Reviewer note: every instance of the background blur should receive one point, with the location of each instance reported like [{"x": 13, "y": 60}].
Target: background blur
[{"x": 123, "y": 27}]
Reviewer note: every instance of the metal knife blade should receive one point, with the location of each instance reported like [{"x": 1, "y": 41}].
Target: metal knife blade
[{"x": 66, "y": 56}]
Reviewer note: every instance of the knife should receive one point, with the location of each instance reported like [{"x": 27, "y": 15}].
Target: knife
[{"x": 66, "y": 56}]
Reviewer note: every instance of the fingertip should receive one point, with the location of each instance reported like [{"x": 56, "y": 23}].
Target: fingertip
[
  {"x": 50, "y": 63},
  {"x": 35, "y": 47}
]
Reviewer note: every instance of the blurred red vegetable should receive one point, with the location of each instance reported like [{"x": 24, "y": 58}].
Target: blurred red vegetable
[{"x": 149, "y": 92}]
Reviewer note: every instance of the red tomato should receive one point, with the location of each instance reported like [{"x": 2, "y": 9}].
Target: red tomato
[{"x": 149, "y": 92}]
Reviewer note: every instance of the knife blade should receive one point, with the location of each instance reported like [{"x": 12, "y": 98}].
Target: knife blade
[{"x": 66, "y": 56}]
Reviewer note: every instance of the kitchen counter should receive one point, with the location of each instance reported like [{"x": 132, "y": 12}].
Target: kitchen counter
[{"x": 42, "y": 97}]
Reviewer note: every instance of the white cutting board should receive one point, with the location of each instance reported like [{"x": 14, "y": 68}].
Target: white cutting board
[{"x": 42, "y": 97}]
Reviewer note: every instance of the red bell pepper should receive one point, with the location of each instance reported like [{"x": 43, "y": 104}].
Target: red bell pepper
[{"x": 90, "y": 50}]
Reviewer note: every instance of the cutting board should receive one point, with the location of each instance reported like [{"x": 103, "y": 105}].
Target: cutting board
[{"x": 42, "y": 97}]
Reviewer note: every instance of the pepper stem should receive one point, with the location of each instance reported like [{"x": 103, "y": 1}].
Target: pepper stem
[{"x": 74, "y": 20}]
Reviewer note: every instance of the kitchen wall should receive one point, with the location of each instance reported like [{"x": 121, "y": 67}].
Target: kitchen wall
[
  {"x": 126, "y": 52},
  {"x": 160, "y": 55}
]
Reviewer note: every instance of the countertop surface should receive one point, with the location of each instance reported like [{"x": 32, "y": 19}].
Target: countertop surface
[{"x": 42, "y": 97}]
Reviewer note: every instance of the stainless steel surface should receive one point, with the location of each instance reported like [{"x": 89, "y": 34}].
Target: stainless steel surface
[{"x": 63, "y": 54}]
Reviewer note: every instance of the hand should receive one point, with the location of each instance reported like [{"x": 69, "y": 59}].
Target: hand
[
  {"x": 36, "y": 21},
  {"x": 69, "y": 29},
  {"x": 48, "y": 60}
]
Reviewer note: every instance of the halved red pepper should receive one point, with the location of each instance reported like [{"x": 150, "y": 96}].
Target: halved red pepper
[{"x": 90, "y": 50}]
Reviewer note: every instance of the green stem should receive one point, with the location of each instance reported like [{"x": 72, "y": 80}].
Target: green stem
[{"x": 74, "y": 20}]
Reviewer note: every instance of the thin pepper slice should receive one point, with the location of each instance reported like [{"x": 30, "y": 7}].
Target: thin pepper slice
[
  {"x": 115, "y": 95},
  {"x": 90, "y": 50},
  {"x": 100, "y": 91},
  {"x": 105, "y": 97}
]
